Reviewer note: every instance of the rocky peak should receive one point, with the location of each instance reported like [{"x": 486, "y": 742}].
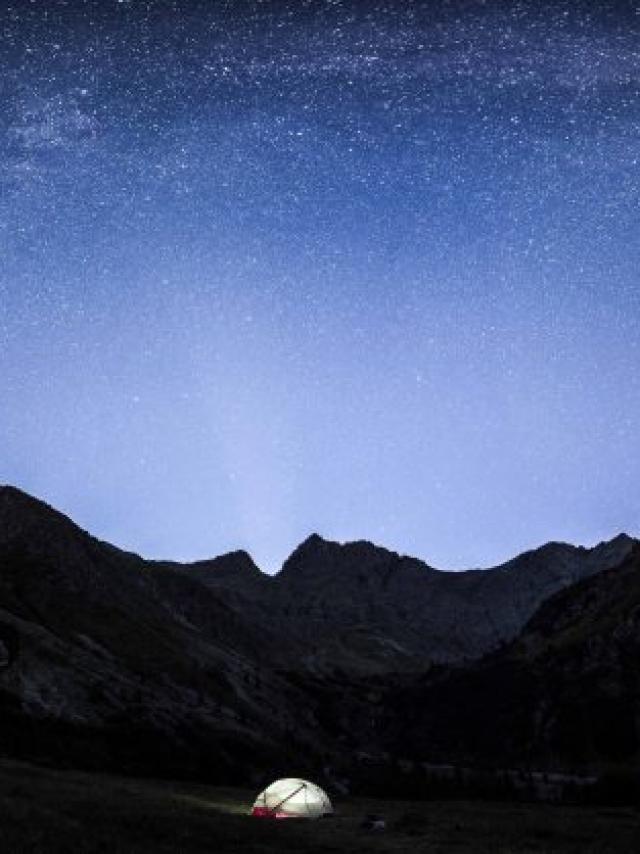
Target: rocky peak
[
  {"x": 571, "y": 562},
  {"x": 310, "y": 547},
  {"x": 616, "y": 549},
  {"x": 234, "y": 570},
  {"x": 238, "y": 561},
  {"x": 327, "y": 560}
]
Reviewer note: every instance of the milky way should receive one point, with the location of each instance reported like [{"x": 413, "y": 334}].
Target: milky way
[{"x": 370, "y": 269}]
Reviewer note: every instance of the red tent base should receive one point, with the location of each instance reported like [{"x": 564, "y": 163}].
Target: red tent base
[{"x": 265, "y": 812}]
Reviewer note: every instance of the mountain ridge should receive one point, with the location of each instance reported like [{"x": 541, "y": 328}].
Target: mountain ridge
[
  {"x": 346, "y": 605},
  {"x": 563, "y": 694},
  {"x": 110, "y": 660},
  {"x": 9, "y": 492}
]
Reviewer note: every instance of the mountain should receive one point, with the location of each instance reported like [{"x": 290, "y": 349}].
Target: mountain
[
  {"x": 359, "y": 608},
  {"x": 565, "y": 694},
  {"x": 109, "y": 659},
  {"x": 215, "y": 669}
]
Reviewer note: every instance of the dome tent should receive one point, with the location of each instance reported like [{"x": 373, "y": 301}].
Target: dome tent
[{"x": 292, "y": 798}]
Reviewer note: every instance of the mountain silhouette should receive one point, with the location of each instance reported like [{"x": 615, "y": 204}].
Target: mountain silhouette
[{"x": 217, "y": 670}]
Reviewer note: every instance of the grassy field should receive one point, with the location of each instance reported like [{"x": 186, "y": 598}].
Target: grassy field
[{"x": 43, "y": 810}]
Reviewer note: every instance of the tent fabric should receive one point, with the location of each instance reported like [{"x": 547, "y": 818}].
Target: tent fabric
[{"x": 292, "y": 798}]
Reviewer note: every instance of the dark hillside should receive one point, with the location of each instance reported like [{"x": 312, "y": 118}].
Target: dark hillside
[
  {"x": 216, "y": 670},
  {"x": 564, "y": 695}
]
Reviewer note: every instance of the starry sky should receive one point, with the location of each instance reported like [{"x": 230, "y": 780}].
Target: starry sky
[{"x": 370, "y": 269}]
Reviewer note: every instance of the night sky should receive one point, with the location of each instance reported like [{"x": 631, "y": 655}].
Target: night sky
[{"x": 366, "y": 269}]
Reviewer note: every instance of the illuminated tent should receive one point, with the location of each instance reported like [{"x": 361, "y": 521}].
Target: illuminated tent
[{"x": 292, "y": 798}]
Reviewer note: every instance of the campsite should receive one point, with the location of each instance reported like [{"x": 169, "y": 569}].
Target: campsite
[
  {"x": 103, "y": 651},
  {"x": 46, "y": 811},
  {"x": 319, "y": 419}
]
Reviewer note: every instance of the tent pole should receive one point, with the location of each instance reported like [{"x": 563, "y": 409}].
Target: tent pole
[{"x": 290, "y": 795}]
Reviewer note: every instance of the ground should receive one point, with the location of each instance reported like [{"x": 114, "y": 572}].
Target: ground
[{"x": 46, "y": 811}]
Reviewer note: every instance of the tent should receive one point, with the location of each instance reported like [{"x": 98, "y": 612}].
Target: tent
[{"x": 292, "y": 798}]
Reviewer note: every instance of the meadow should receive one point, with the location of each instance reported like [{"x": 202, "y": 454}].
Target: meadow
[{"x": 51, "y": 811}]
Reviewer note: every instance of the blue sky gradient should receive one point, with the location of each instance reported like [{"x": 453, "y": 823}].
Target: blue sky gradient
[{"x": 366, "y": 269}]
